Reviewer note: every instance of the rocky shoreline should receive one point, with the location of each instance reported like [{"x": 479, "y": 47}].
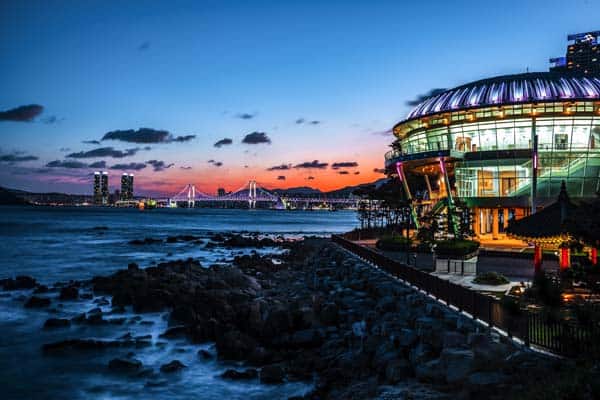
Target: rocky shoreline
[{"x": 317, "y": 314}]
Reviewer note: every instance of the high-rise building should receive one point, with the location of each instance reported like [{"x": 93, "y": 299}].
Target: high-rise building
[
  {"x": 97, "y": 192},
  {"x": 127, "y": 186},
  {"x": 583, "y": 55},
  {"x": 104, "y": 188},
  {"x": 221, "y": 192}
]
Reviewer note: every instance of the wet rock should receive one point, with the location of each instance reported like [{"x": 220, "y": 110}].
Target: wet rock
[
  {"x": 454, "y": 339},
  {"x": 329, "y": 314},
  {"x": 458, "y": 364},
  {"x": 233, "y": 374},
  {"x": 272, "y": 374},
  {"x": 41, "y": 289},
  {"x": 398, "y": 370},
  {"x": 19, "y": 283},
  {"x": 175, "y": 332},
  {"x": 432, "y": 372},
  {"x": 69, "y": 293},
  {"x": 205, "y": 354},
  {"x": 37, "y": 302},
  {"x": 124, "y": 365},
  {"x": 172, "y": 366},
  {"x": 138, "y": 242},
  {"x": 56, "y": 323}
]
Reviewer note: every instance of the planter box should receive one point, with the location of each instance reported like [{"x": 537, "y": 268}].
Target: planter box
[{"x": 457, "y": 266}]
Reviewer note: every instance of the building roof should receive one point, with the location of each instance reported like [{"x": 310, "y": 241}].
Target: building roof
[
  {"x": 552, "y": 223},
  {"x": 512, "y": 89}
]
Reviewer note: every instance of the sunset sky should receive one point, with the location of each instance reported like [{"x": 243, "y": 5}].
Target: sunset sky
[{"x": 219, "y": 92}]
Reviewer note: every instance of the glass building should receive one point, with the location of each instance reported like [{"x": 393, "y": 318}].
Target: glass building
[
  {"x": 504, "y": 145},
  {"x": 127, "y": 187},
  {"x": 97, "y": 192}
]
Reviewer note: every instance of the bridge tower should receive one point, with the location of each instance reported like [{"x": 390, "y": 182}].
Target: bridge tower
[
  {"x": 191, "y": 195},
  {"x": 252, "y": 194}
]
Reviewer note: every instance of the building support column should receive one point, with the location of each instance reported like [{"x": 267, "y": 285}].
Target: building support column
[
  {"x": 537, "y": 258},
  {"x": 451, "y": 220},
  {"x": 594, "y": 256},
  {"x": 428, "y": 187},
  {"x": 534, "y": 165},
  {"x": 476, "y": 222},
  {"x": 505, "y": 218},
  {"x": 495, "y": 223},
  {"x": 565, "y": 258},
  {"x": 402, "y": 177}
]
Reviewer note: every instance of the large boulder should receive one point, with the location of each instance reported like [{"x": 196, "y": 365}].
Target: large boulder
[
  {"x": 69, "y": 293},
  {"x": 235, "y": 345},
  {"x": 37, "y": 302},
  {"x": 431, "y": 372},
  {"x": 124, "y": 365},
  {"x": 19, "y": 283},
  {"x": 458, "y": 364},
  {"x": 233, "y": 374},
  {"x": 397, "y": 370},
  {"x": 57, "y": 323},
  {"x": 453, "y": 339},
  {"x": 329, "y": 314},
  {"x": 172, "y": 366},
  {"x": 273, "y": 373}
]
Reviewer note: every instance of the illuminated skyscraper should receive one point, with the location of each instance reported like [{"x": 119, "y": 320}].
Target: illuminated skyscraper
[
  {"x": 97, "y": 192},
  {"x": 127, "y": 187},
  {"x": 583, "y": 55},
  {"x": 104, "y": 188},
  {"x": 130, "y": 187}
]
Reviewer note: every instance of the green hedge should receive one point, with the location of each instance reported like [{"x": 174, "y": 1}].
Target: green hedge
[
  {"x": 491, "y": 278},
  {"x": 393, "y": 242},
  {"x": 455, "y": 247}
]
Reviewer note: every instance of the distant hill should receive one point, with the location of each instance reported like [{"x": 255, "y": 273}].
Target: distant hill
[
  {"x": 298, "y": 191},
  {"x": 308, "y": 191},
  {"x": 8, "y": 198}
]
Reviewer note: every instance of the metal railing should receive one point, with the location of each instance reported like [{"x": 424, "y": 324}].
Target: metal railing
[{"x": 559, "y": 337}]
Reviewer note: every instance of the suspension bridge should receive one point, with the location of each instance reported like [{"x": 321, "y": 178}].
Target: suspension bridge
[{"x": 251, "y": 193}]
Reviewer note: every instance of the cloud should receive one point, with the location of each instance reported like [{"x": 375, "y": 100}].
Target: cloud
[
  {"x": 310, "y": 178},
  {"x": 91, "y": 142},
  {"x": 383, "y": 133},
  {"x": 98, "y": 164},
  {"x": 300, "y": 121},
  {"x": 312, "y": 164},
  {"x": 281, "y": 178},
  {"x": 64, "y": 149},
  {"x": 422, "y": 97},
  {"x": 22, "y": 113},
  {"x": 130, "y": 166},
  {"x": 52, "y": 119},
  {"x": 379, "y": 170},
  {"x": 343, "y": 172},
  {"x": 217, "y": 163},
  {"x": 104, "y": 152},
  {"x": 16, "y": 157},
  {"x": 256, "y": 138},
  {"x": 144, "y": 46},
  {"x": 356, "y": 172},
  {"x": 245, "y": 115},
  {"x": 281, "y": 167},
  {"x": 159, "y": 165},
  {"x": 344, "y": 164},
  {"x": 71, "y": 164},
  {"x": 185, "y": 167},
  {"x": 211, "y": 161},
  {"x": 223, "y": 142},
  {"x": 145, "y": 135},
  {"x": 315, "y": 122}
]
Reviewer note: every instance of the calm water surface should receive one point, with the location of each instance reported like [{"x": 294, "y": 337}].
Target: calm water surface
[{"x": 59, "y": 244}]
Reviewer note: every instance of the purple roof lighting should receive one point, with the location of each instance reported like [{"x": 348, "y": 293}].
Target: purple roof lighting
[{"x": 511, "y": 89}]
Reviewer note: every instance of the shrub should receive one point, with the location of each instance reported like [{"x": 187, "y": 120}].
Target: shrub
[
  {"x": 456, "y": 247},
  {"x": 491, "y": 278},
  {"x": 511, "y": 305},
  {"x": 393, "y": 242},
  {"x": 546, "y": 290}
]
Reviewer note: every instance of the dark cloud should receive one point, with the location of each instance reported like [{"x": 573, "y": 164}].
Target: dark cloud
[
  {"x": 356, "y": 172},
  {"x": 343, "y": 172},
  {"x": 310, "y": 178},
  {"x": 245, "y": 115},
  {"x": 256, "y": 138},
  {"x": 159, "y": 165},
  {"x": 312, "y": 164},
  {"x": 64, "y": 149},
  {"x": 98, "y": 164},
  {"x": 379, "y": 170},
  {"x": 422, "y": 97},
  {"x": 71, "y": 164},
  {"x": 130, "y": 166},
  {"x": 52, "y": 119},
  {"x": 103, "y": 152},
  {"x": 383, "y": 133},
  {"x": 144, "y": 46},
  {"x": 223, "y": 142},
  {"x": 91, "y": 142},
  {"x": 217, "y": 163},
  {"x": 22, "y": 114},
  {"x": 281, "y": 167},
  {"x": 16, "y": 157},
  {"x": 145, "y": 135},
  {"x": 300, "y": 121},
  {"x": 344, "y": 164},
  {"x": 281, "y": 178},
  {"x": 315, "y": 122},
  {"x": 185, "y": 167}
]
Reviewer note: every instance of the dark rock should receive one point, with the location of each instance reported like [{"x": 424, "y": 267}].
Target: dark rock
[
  {"x": 69, "y": 293},
  {"x": 138, "y": 242},
  {"x": 458, "y": 364},
  {"x": 37, "y": 302},
  {"x": 132, "y": 267},
  {"x": 272, "y": 374},
  {"x": 205, "y": 354},
  {"x": 124, "y": 364},
  {"x": 454, "y": 339},
  {"x": 172, "y": 366},
  {"x": 174, "y": 332},
  {"x": 19, "y": 283},
  {"x": 57, "y": 323},
  {"x": 397, "y": 370},
  {"x": 41, "y": 289},
  {"x": 432, "y": 372},
  {"x": 240, "y": 375},
  {"x": 329, "y": 314}
]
